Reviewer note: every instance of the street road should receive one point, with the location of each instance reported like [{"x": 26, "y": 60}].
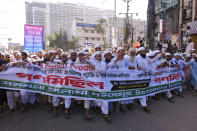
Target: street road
[{"x": 164, "y": 116}]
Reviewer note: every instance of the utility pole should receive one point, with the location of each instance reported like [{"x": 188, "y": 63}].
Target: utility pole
[
  {"x": 115, "y": 26},
  {"x": 127, "y": 29},
  {"x": 181, "y": 20},
  {"x": 127, "y": 25}
]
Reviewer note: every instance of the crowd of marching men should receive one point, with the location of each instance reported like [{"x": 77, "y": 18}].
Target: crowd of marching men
[{"x": 119, "y": 58}]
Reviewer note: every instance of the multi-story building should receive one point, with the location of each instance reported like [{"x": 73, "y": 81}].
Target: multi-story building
[
  {"x": 139, "y": 29},
  {"x": 87, "y": 34},
  {"x": 60, "y": 16},
  {"x": 167, "y": 18}
]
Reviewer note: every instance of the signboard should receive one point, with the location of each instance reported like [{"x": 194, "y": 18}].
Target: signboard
[
  {"x": 33, "y": 38},
  {"x": 193, "y": 27},
  {"x": 86, "y": 25},
  {"x": 162, "y": 5}
]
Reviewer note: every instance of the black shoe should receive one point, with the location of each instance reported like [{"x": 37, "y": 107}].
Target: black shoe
[
  {"x": 50, "y": 107},
  {"x": 1, "y": 110},
  {"x": 108, "y": 119},
  {"x": 88, "y": 117},
  {"x": 121, "y": 109},
  {"x": 170, "y": 100},
  {"x": 155, "y": 98},
  {"x": 180, "y": 95},
  {"x": 11, "y": 110},
  {"x": 66, "y": 114},
  {"x": 55, "y": 114},
  {"x": 22, "y": 109},
  {"x": 129, "y": 106},
  {"x": 146, "y": 109}
]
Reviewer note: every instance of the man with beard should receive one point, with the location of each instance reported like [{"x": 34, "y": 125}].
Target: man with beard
[
  {"x": 73, "y": 57},
  {"x": 131, "y": 64},
  {"x": 10, "y": 93},
  {"x": 67, "y": 101},
  {"x": 144, "y": 63},
  {"x": 193, "y": 63},
  {"x": 118, "y": 62},
  {"x": 82, "y": 60},
  {"x": 26, "y": 96},
  {"x": 98, "y": 48}
]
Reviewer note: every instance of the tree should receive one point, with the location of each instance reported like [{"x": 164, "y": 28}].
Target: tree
[
  {"x": 60, "y": 40},
  {"x": 101, "y": 27}
]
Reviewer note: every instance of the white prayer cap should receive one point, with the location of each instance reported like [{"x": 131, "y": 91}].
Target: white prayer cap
[
  {"x": 151, "y": 54},
  {"x": 16, "y": 51},
  {"x": 132, "y": 49},
  {"x": 41, "y": 51},
  {"x": 97, "y": 53},
  {"x": 97, "y": 45},
  {"x": 188, "y": 55},
  {"x": 86, "y": 53},
  {"x": 81, "y": 52},
  {"x": 1, "y": 53},
  {"x": 65, "y": 54},
  {"x": 7, "y": 54},
  {"x": 107, "y": 51},
  {"x": 184, "y": 53},
  {"x": 59, "y": 49},
  {"x": 167, "y": 54},
  {"x": 193, "y": 54},
  {"x": 163, "y": 61},
  {"x": 156, "y": 51},
  {"x": 33, "y": 56},
  {"x": 176, "y": 54},
  {"x": 25, "y": 52},
  {"x": 72, "y": 51},
  {"x": 179, "y": 54},
  {"x": 140, "y": 49},
  {"x": 120, "y": 48},
  {"x": 51, "y": 52},
  {"x": 193, "y": 49},
  {"x": 86, "y": 50}
]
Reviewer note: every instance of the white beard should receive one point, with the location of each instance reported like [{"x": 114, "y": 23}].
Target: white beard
[{"x": 132, "y": 58}]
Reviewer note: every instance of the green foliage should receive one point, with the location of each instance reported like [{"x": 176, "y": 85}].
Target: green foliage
[
  {"x": 101, "y": 27},
  {"x": 60, "y": 40}
]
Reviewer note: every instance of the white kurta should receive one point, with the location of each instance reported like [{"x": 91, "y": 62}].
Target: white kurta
[{"x": 189, "y": 47}]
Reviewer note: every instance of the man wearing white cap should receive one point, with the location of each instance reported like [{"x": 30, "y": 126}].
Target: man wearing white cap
[
  {"x": 193, "y": 63},
  {"x": 187, "y": 70},
  {"x": 164, "y": 46},
  {"x": 98, "y": 47},
  {"x": 118, "y": 62},
  {"x": 144, "y": 63},
  {"x": 82, "y": 60},
  {"x": 190, "y": 46}
]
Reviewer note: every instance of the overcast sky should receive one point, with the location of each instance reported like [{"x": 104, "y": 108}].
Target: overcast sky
[{"x": 12, "y": 13}]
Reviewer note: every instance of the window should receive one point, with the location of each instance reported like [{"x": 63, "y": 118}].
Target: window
[
  {"x": 86, "y": 38},
  {"x": 98, "y": 31},
  {"x": 98, "y": 39},
  {"x": 86, "y": 31},
  {"x": 92, "y": 31},
  {"x": 92, "y": 38}
]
